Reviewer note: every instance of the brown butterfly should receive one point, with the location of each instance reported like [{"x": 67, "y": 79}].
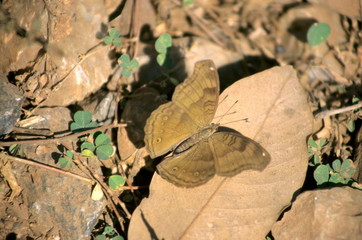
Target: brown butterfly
[{"x": 199, "y": 150}]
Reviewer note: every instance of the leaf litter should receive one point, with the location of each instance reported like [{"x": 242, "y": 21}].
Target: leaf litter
[{"x": 242, "y": 39}]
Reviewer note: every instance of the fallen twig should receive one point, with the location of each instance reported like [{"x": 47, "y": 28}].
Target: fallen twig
[
  {"x": 327, "y": 113},
  {"x": 61, "y": 138}
]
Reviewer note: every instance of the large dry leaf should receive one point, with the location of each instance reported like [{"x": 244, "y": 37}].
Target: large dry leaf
[
  {"x": 247, "y": 205},
  {"x": 327, "y": 214}
]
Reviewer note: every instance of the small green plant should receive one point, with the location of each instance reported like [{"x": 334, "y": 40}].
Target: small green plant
[
  {"x": 82, "y": 121},
  {"x": 128, "y": 65},
  {"x": 336, "y": 173},
  {"x": 13, "y": 149},
  {"x": 162, "y": 44},
  {"x": 101, "y": 147},
  {"x": 113, "y": 37},
  {"x": 187, "y": 2},
  {"x": 93, "y": 144},
  {"x": 116, "y": 182},
  {"x": 318, "y": 33},
  {"x": 315, "y": 150},
  {"x": 354, "y": 101},
  {"x": 351, "y": 126},
  {"x": 17, "y": 150},
  {"x": 66, "y": 160},
  {"x": 109, "y": 233}
]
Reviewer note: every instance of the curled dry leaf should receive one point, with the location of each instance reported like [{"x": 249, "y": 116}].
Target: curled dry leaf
[{"x": 247, "y": 205}]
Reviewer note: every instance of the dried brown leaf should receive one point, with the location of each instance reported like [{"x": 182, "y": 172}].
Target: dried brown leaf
[{"x": 247, "y": 205}]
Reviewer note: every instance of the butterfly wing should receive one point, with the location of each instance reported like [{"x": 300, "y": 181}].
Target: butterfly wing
[
  {"x": 190, "y": 168},
  {"x": 167, "y": 126},
  {"x": 198, "y": 96},
  {"x": 193, "y": 106},
  {"x": 234, "y": 153}
]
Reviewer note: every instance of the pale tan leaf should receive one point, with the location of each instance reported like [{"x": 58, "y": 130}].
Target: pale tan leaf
[
  {"x": 247, "y": 205},
  {"x": 97, "y": 192},
  {"x": 333, "y": 213}
]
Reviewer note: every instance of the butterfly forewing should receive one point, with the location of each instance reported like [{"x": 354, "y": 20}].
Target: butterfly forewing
[
  {"x": 198, "y": 96},
  {"x": 192, "y": 107},
  {"x": 166, "y": 128}
]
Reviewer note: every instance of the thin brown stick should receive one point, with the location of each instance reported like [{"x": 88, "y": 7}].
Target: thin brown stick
[
  {"x": 62, "y": 138},
  {"x": 327, "y": 113},
  {"x": 42, "y": 165},
  {"x": 3, "y": 155}
]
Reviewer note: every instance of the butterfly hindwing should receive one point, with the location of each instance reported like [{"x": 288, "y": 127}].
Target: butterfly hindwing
[
  {"x": 234, "y": 153},
  {"x": 190, "y": 168}
]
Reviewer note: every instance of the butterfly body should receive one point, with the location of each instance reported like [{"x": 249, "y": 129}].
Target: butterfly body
[
  {"x": 184, "y": 127},
  {"x": 202, "y": 135}
]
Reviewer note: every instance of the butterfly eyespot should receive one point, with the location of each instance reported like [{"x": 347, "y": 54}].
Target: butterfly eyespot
[
  {"x": 174, "y": 169},
  {"x": 158, "y": 140},
  {"x": 196, "y": 174}
]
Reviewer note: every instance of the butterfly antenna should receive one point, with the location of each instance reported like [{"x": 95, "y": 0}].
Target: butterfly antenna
[
  {"x": 244, "y": 119},
  {"x": 227, "y": 112},
  {"x": 223, "y": 100}
]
